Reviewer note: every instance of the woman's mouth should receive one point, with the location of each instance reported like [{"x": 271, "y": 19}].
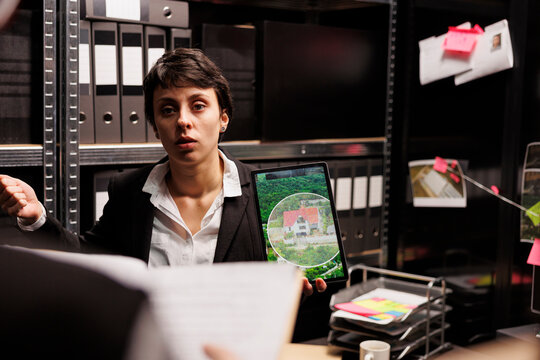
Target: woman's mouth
[{"x": 185, "y": 143}]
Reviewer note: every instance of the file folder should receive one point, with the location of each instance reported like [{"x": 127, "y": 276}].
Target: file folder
[
  {"x": 375, "y": 200},
  {"x": 180, "y": 38},
  {"x": 154, "y": 12},
  {"x": 107, "y": 119},
  {"x": 131, "y": 74},
  {"x": 154, "y": 47},
  {"x": 86, "y": 88}
]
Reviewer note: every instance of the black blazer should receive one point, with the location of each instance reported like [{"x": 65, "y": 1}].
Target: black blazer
[{"x": 125, "y": 227}]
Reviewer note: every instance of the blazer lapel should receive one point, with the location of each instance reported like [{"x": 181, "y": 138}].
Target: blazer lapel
[
  {"x": 143, "y": 219},
  {"x": 233, "y": 212},
  {"x": 234, "y": 209}
]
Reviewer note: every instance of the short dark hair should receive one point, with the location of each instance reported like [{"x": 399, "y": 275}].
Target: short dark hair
[{"x": 181, "y": 67}]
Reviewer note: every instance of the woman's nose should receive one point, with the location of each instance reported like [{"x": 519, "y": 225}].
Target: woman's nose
[{"x": 184, "y": 121}]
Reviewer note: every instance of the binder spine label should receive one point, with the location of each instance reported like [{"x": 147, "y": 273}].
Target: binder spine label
[
  {"x": 105, "y": 63},
  {"x": 123, "y": 9}
]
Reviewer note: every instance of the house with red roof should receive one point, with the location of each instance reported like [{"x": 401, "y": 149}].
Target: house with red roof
[{"x": 302, "y": 221}]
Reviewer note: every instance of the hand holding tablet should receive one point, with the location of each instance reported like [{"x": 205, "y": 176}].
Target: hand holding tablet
[{"x": 297, "y": 219}]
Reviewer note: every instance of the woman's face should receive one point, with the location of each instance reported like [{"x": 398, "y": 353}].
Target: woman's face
[{"x": 188, "y": 122}]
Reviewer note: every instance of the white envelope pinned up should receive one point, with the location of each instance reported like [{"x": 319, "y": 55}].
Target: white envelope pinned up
[
  {"x": 436, "y": 63},
  {"x": 493, "y": 53}
]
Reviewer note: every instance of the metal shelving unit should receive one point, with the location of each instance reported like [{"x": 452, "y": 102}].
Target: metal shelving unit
[
  {"x": 50, "y": 104},
  {"x": 69, "y": 107},
  {"x": 63, "y": 161},
  {"x": 128, "y": 154},
  {"x": 21, "y": 155}
]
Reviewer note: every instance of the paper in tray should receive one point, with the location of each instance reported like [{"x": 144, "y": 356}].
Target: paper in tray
[
  {"x": 381, "y": 306},
  {"x": 405, "y": 289},
  {"x": 395, "y": 329}
]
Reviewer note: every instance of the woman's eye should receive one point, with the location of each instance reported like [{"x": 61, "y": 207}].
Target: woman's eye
[
  {"x": 167, "y": 111},
  {"x": 199, "y": 107}
]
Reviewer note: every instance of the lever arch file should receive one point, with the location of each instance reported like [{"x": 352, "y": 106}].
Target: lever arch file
[
  {"x": 106, "y": 99},
  {"x": 131, "y": 74}
]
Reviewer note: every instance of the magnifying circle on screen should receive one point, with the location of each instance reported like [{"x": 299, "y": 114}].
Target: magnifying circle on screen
[{"x": 301, "y": 230}]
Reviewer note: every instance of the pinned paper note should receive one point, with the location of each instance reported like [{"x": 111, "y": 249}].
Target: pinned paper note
[
  {"x": 461, "y": 40},
  {"x": 493, "y": 53},
  {"x": 495, "y": 189},
  {"x": 533, "y": 212},
  {"x": 435, "y": 63},
  {"x": 534, "y": 255},
  {"x": 440, "y": 164},
  {"x": 434, "y": 184}
]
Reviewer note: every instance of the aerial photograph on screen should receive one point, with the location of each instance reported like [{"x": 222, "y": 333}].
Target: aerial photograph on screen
[{"x": 297, "y": 222}]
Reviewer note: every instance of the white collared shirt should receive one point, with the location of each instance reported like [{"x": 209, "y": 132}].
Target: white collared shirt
[{"x": 172, "y": 242}]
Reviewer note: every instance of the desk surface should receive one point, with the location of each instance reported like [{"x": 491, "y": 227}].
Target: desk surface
[
  {"x": 499, "y": 349},
  {"x": 308, "y": 352}
]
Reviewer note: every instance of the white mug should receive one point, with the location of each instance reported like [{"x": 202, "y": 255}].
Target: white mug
[{"x": 374, "y": 350}]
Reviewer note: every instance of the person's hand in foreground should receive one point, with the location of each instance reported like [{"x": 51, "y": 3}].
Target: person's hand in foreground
[
  {"x": 320, "y": 285},
  {"x": 17, "y": 198},
  {"x": 215, "y": 352}
]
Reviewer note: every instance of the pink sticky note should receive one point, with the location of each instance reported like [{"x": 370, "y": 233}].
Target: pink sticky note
[
  {"x": 534, "y": 255},
  {"x": 356, "y": 309},
  {"x": 455, "y": 178},
  {"x": 461, "y": 40},
  {"x": 495, "y": 189},
  {"x": 440, "y": 164}
]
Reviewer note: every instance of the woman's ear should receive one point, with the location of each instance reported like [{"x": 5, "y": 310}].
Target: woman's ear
[{"x": 224, "y": 120}]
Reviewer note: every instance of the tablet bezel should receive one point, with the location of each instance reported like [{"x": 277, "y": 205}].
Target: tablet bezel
[{"x": 324, "y": 166}]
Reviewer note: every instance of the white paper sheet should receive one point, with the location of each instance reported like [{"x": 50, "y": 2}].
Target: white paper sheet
[
  {"x": 493, "y": 53},
  {"x": 243, "y": 307},
  {"x": 436, "y": 64}
]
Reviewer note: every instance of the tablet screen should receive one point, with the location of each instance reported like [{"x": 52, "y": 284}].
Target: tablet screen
[{"x": 298, "y": 221}]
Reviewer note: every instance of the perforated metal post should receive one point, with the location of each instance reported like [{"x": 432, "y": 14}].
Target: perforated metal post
[
  {"x": 49, "y": 101},
  {"x": 388, "y": 128},
  {"x": 69, "y": 80}
]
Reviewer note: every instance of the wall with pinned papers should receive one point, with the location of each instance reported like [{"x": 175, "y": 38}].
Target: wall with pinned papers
[{"x": 473, "y": 101}]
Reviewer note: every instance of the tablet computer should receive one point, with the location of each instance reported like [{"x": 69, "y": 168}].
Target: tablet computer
[{"x": 297, "y": 219}]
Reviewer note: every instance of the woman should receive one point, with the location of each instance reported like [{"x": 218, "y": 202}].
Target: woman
[{"x": 195, "y": 206}]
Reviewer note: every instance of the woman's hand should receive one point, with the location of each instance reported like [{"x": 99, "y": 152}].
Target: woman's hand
[
  {"x": 17, "y": 198},
  {"x": 320, "y": 285},
  {"x": 218, "y": 353}
]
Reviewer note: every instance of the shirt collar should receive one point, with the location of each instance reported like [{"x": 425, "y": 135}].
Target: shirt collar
[{"x": 231, "y": 179}]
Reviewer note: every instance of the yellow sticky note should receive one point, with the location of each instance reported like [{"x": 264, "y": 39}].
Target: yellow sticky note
[{"x": 535, "y": 209}]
